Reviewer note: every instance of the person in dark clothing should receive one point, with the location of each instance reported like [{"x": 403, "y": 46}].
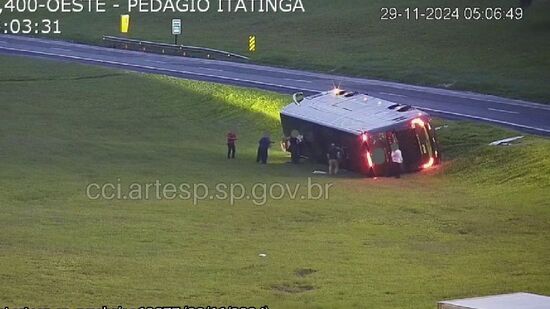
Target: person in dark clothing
[
  {"x": 294, "y": 148},
  {"x": 231, "y": 149},
  {"x": 334, "y": 155},
  {"x": 263, "y": 148}
]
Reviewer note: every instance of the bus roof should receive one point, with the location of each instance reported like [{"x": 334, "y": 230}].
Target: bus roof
[{"x": 352, "y": 112}]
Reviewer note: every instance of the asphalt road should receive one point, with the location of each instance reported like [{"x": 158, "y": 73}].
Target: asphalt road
[{"x": 521, "y": 115}]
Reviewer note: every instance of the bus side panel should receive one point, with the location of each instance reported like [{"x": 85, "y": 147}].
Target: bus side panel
[{"x": 317, "y": 140}]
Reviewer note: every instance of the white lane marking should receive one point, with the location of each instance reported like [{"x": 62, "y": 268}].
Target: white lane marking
[
  {"x": 60, "y": 49},
  {"x": 502, "y": 111},
  {"x": 490, "y": 98},
  {"x": 298, "y": 80},
  {"x": 393, "y": 94},
  {"x": 485, "y": 119},
  {"x": 210, "y": 69},
  {"x": 156, "y": 61},
  {"x": 259, "y": 83},
  {"x": 234, "y": 79},
  {"x": 116, "y": 6}
]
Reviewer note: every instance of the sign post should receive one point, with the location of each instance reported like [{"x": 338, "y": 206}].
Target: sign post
[
  {"x": 124, "y": 23},
  {"x": 252, "y": 43},
  {"x": 176, "y": 29}
]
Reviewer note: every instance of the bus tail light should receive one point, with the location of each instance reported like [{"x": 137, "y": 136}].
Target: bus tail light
[{"x": 429, "y": 164}]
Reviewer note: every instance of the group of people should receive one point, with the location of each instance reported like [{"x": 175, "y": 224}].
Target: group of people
[
  {"x": 263, "y": 146},
  {"x": 293, "y": 145},
  {"x": 335, "y": 155}
]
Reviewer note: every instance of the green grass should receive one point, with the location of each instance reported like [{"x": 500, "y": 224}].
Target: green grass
[
  {"x": 477, "y": 225},
  {"x": 508, "y": 58}
]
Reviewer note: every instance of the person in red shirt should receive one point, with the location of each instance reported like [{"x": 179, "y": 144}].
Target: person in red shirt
[{"x": 231, "y": 149}]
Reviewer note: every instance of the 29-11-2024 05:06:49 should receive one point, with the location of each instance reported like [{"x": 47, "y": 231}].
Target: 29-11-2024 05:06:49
[{"x": 450, "y": 14}]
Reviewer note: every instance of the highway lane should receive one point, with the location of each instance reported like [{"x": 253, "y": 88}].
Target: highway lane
[{"x": 522, "y": 115}]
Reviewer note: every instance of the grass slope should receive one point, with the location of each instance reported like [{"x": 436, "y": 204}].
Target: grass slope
[
  {"x": 478, "y": 225},
  {"x": 508, "y": 58}
]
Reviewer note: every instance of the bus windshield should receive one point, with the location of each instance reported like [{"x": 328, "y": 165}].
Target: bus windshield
[{"x": 417, "y": 146}]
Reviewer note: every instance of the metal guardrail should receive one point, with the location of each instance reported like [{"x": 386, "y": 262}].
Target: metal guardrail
[{"x": 171, "y": 49}]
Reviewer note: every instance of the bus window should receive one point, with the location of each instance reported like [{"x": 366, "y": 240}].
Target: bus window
[{"x": 379, "y": 149}]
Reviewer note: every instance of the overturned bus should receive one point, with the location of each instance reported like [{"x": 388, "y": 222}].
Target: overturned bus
[{"x": 367, "y": 129}]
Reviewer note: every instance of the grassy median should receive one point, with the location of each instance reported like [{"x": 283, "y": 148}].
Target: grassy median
[{"x": 477, "y": 225}]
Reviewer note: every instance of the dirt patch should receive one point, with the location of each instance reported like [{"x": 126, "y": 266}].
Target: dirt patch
[
  {"x": 292, "y": 288},
  {"x": 303, "y": 272}
]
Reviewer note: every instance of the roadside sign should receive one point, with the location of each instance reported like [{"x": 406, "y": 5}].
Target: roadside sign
[
  {"x": 176, "y": 26},
  {"x": 252, "y": 43},
  {"x": 124, "y": 23}
]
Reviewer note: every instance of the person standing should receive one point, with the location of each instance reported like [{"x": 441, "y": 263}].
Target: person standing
[
  {"x": 397, "y": 161},
  {"x": 333, "y": 155},
  {"x": 294, "y": 146},
  {"x": 231, "y": 148},
  {"x": 263, "y": 148}
]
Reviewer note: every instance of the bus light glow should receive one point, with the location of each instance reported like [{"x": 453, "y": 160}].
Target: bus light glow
[
  {"x": 336, "y": 91},
  {"x": 417, "y": 121},
  {"x": 429, "y": 164},
  {"x": 364, "y": 137},
  {"x": 369, "y": 159}
]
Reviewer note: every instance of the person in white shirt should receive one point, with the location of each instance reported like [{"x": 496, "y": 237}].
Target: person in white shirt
[{"x": 397, "y": 162}]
